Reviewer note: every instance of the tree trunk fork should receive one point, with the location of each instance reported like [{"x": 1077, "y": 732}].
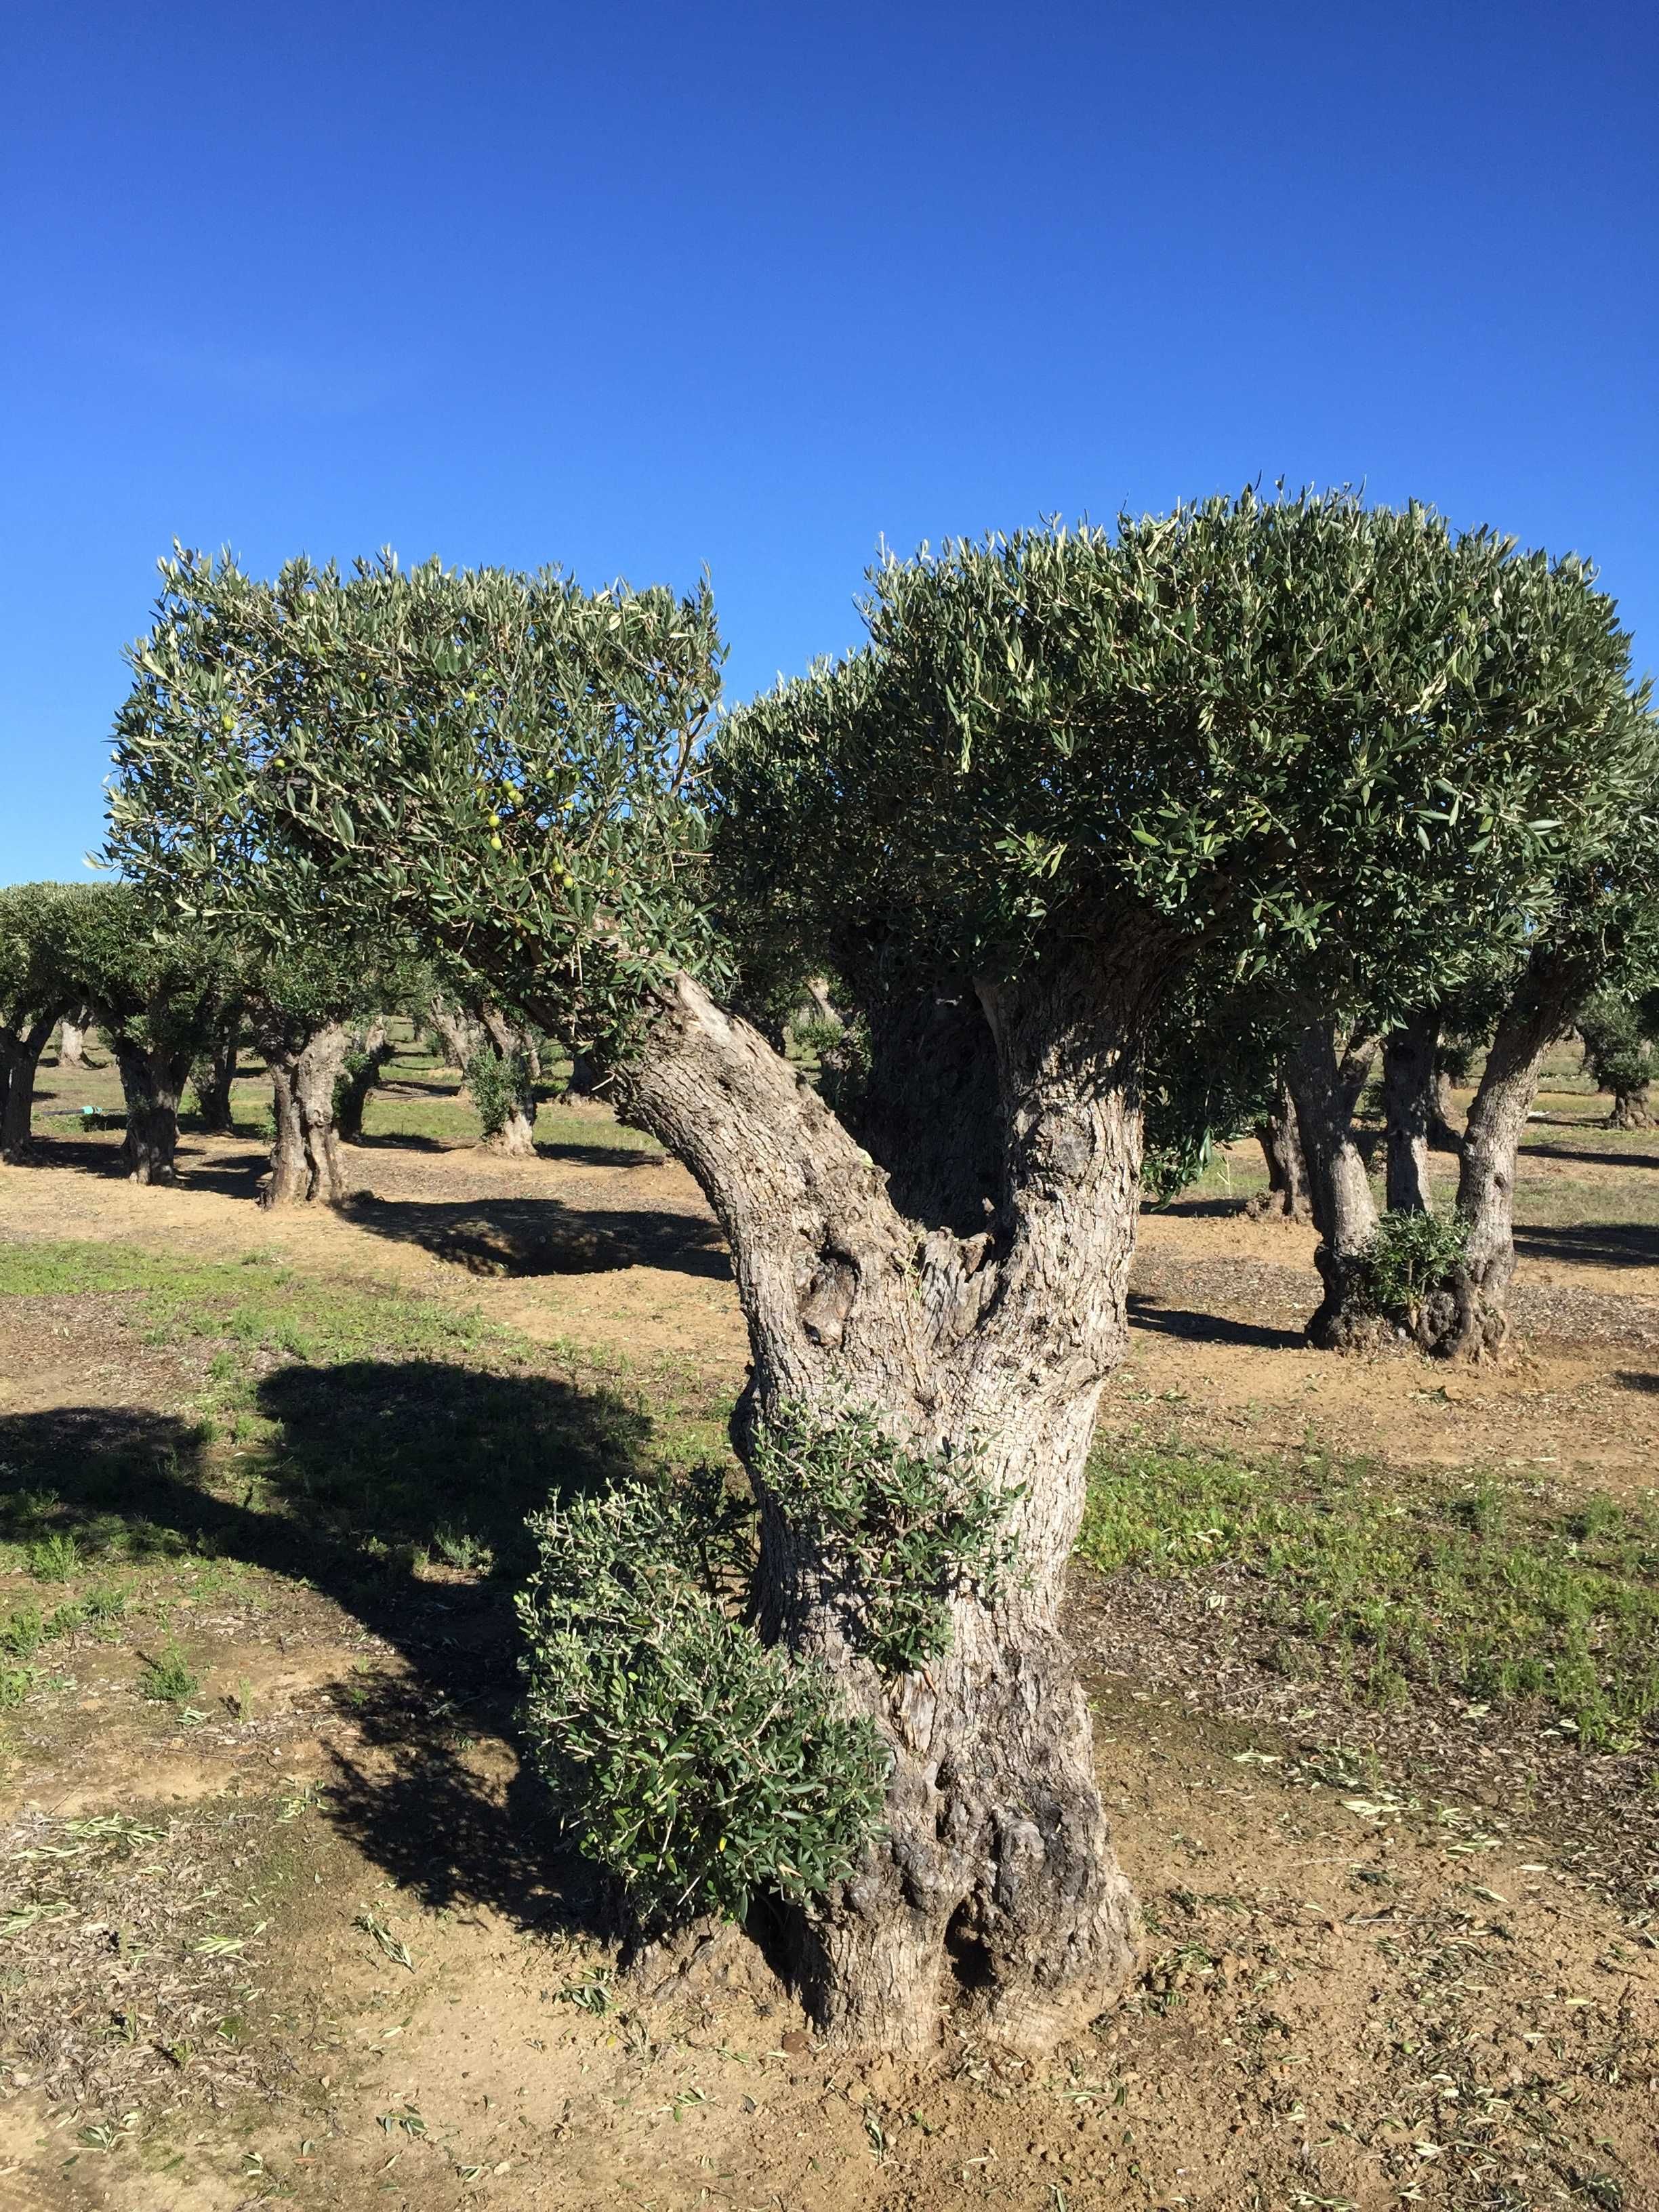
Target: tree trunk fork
[{"x": 994, "y": 1886}]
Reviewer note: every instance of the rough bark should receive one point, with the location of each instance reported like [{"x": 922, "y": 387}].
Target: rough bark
[
  {"x": 214, "y": 1074},
  {"x": 304, "y": 1158},
  {"x": 1633, "y": 1108},
  {"x": 994, "y": 1886},
  {"x": 516, "y": 1136},
  {"x": 1408, "y": 1097},
  {"x": 1326, "y": 1091},
  {"x": 365, "y": 1059},
  {"x": 460, "y": 1033},
  {"x": 72, "y": 1039},
  {"x": 1286, "y": 1195},
  {"x": 20, "y": 1050},
  {"x": 1540, "y": 1010},
  {"x": 153, "y": 1079}
]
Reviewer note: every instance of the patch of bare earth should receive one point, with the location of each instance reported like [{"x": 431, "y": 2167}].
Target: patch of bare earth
[{"x": 310, "y": 1939}]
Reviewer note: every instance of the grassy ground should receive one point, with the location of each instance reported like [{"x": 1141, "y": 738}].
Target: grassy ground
[
  {"x": 1398, "y": 1584},
  {"x": 280, "y": 1916}
]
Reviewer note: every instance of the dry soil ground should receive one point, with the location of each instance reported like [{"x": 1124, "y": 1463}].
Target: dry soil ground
[{"x": 279, "y": 1917}]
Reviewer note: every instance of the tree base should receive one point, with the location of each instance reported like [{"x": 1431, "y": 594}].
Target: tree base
[
  {"x": 1271, "y": 1205},
  {"x": 994, "y": 1900}
]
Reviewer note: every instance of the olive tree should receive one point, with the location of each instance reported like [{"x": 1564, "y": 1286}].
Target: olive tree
[
  {"x": 1599, "y": 934},
  {"x": 215, "y": 1073},
  {"x": 35, "y": 988},
  {"x": 72, "y": 1037},
  {"x": 1064, "y": 767},
  {"x": 302, "y": 1001},
  {"x": 159, "y": 985},
  {"x": 368, "y": 1051},
  {"x": 1618, "y": 1035},
  {"x": 501, "y": 1078},
  {"x": 1546, "y": 756}
]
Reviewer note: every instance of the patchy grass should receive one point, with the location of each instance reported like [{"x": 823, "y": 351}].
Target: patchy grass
[
  {"x": 1398, "y": 1583},
  {"x": 341, "y": 1436}
]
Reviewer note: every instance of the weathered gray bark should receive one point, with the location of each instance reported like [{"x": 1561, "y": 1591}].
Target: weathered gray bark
[
  {"x": 215, "y": 1074},
  {"x": 994, "y": 1886},
  {"x": 366, "y": 1059},
  {"x": 460, "y": 1032},
  {"x": 516, "y": 1136},
  {"x": 1326, "y": 1091},
  {"x": 72, "y": 1038},
  {"x": 304, "y": 1158},
  {"x": 1632, "y": 1106},
  {"x": 1409, "y": 1099},
  {"x": 21, "y": 1051},
  {"x": 1286, "y": 1195},
  {"x": 153, "y": 1079},
  {"x": 1540, "y": 1010}
]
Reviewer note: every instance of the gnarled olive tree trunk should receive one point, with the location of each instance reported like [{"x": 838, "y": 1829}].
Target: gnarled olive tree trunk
[
  {"x": 460, "y": 1032},
  {"x": 1285, "y": 1198},
  {"x": 515, "y": 1133},
  {"x": 1326, "y": 1090},
  {"x": 304, "y": 1158},
  {"x": 365, "y": 1061},
  {"x": 1408, "y": 1105},
  {"x": 20, "y": 1061},
  {"x": 215, "y": 1074},
  {"x": 72, "y": 1038},
  {"x": 153, "y": 1079},
  {"x": 994, "y": 1886},
  {"x": 1632, "y": 1106},
  {"x": 1540, "y": 1010}
]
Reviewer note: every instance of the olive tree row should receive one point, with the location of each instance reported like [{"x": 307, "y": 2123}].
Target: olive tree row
[
  {"x": 36, "y": 987},
  {"x": 172, "y": 996},
  {"x": 1066, "y": 768}
]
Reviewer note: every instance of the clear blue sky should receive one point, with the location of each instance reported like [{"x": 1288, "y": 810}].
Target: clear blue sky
[{"x": 639, "y": 289}]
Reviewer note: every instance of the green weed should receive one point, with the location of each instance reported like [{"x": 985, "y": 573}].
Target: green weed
[
  {"x": 23, "y": 1632},
  {"x": 1392, "y": 1582},
  {"x": 168, "y": 1678},
  {"x": 54, "y": 1558}
]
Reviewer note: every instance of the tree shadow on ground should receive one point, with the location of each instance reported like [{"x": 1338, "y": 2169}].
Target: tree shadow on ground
[
  {"x": 1200, "y": 1209},
  {"x": 228, "y": 1178},
  {"x": 1210, "y": 1328},
  {"x": 542, "y": 1229},
  {"x": 101, "y": 1156},
  {"x": 96, "y": 1156},
  {"x": 576, "y": 1153},
  {"x": 371, "y": 1468},
  {"x": 1603, "y": 1244},
  {"x": 404, "y": 1140},
  {"x": 1610, "y": 1159},
  {"x": 1634, "y": 1379}
]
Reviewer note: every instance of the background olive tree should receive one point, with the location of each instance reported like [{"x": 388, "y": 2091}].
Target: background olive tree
[
  {"x": 160, "y": 984},
  {"x": 36, "y": 987}
]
